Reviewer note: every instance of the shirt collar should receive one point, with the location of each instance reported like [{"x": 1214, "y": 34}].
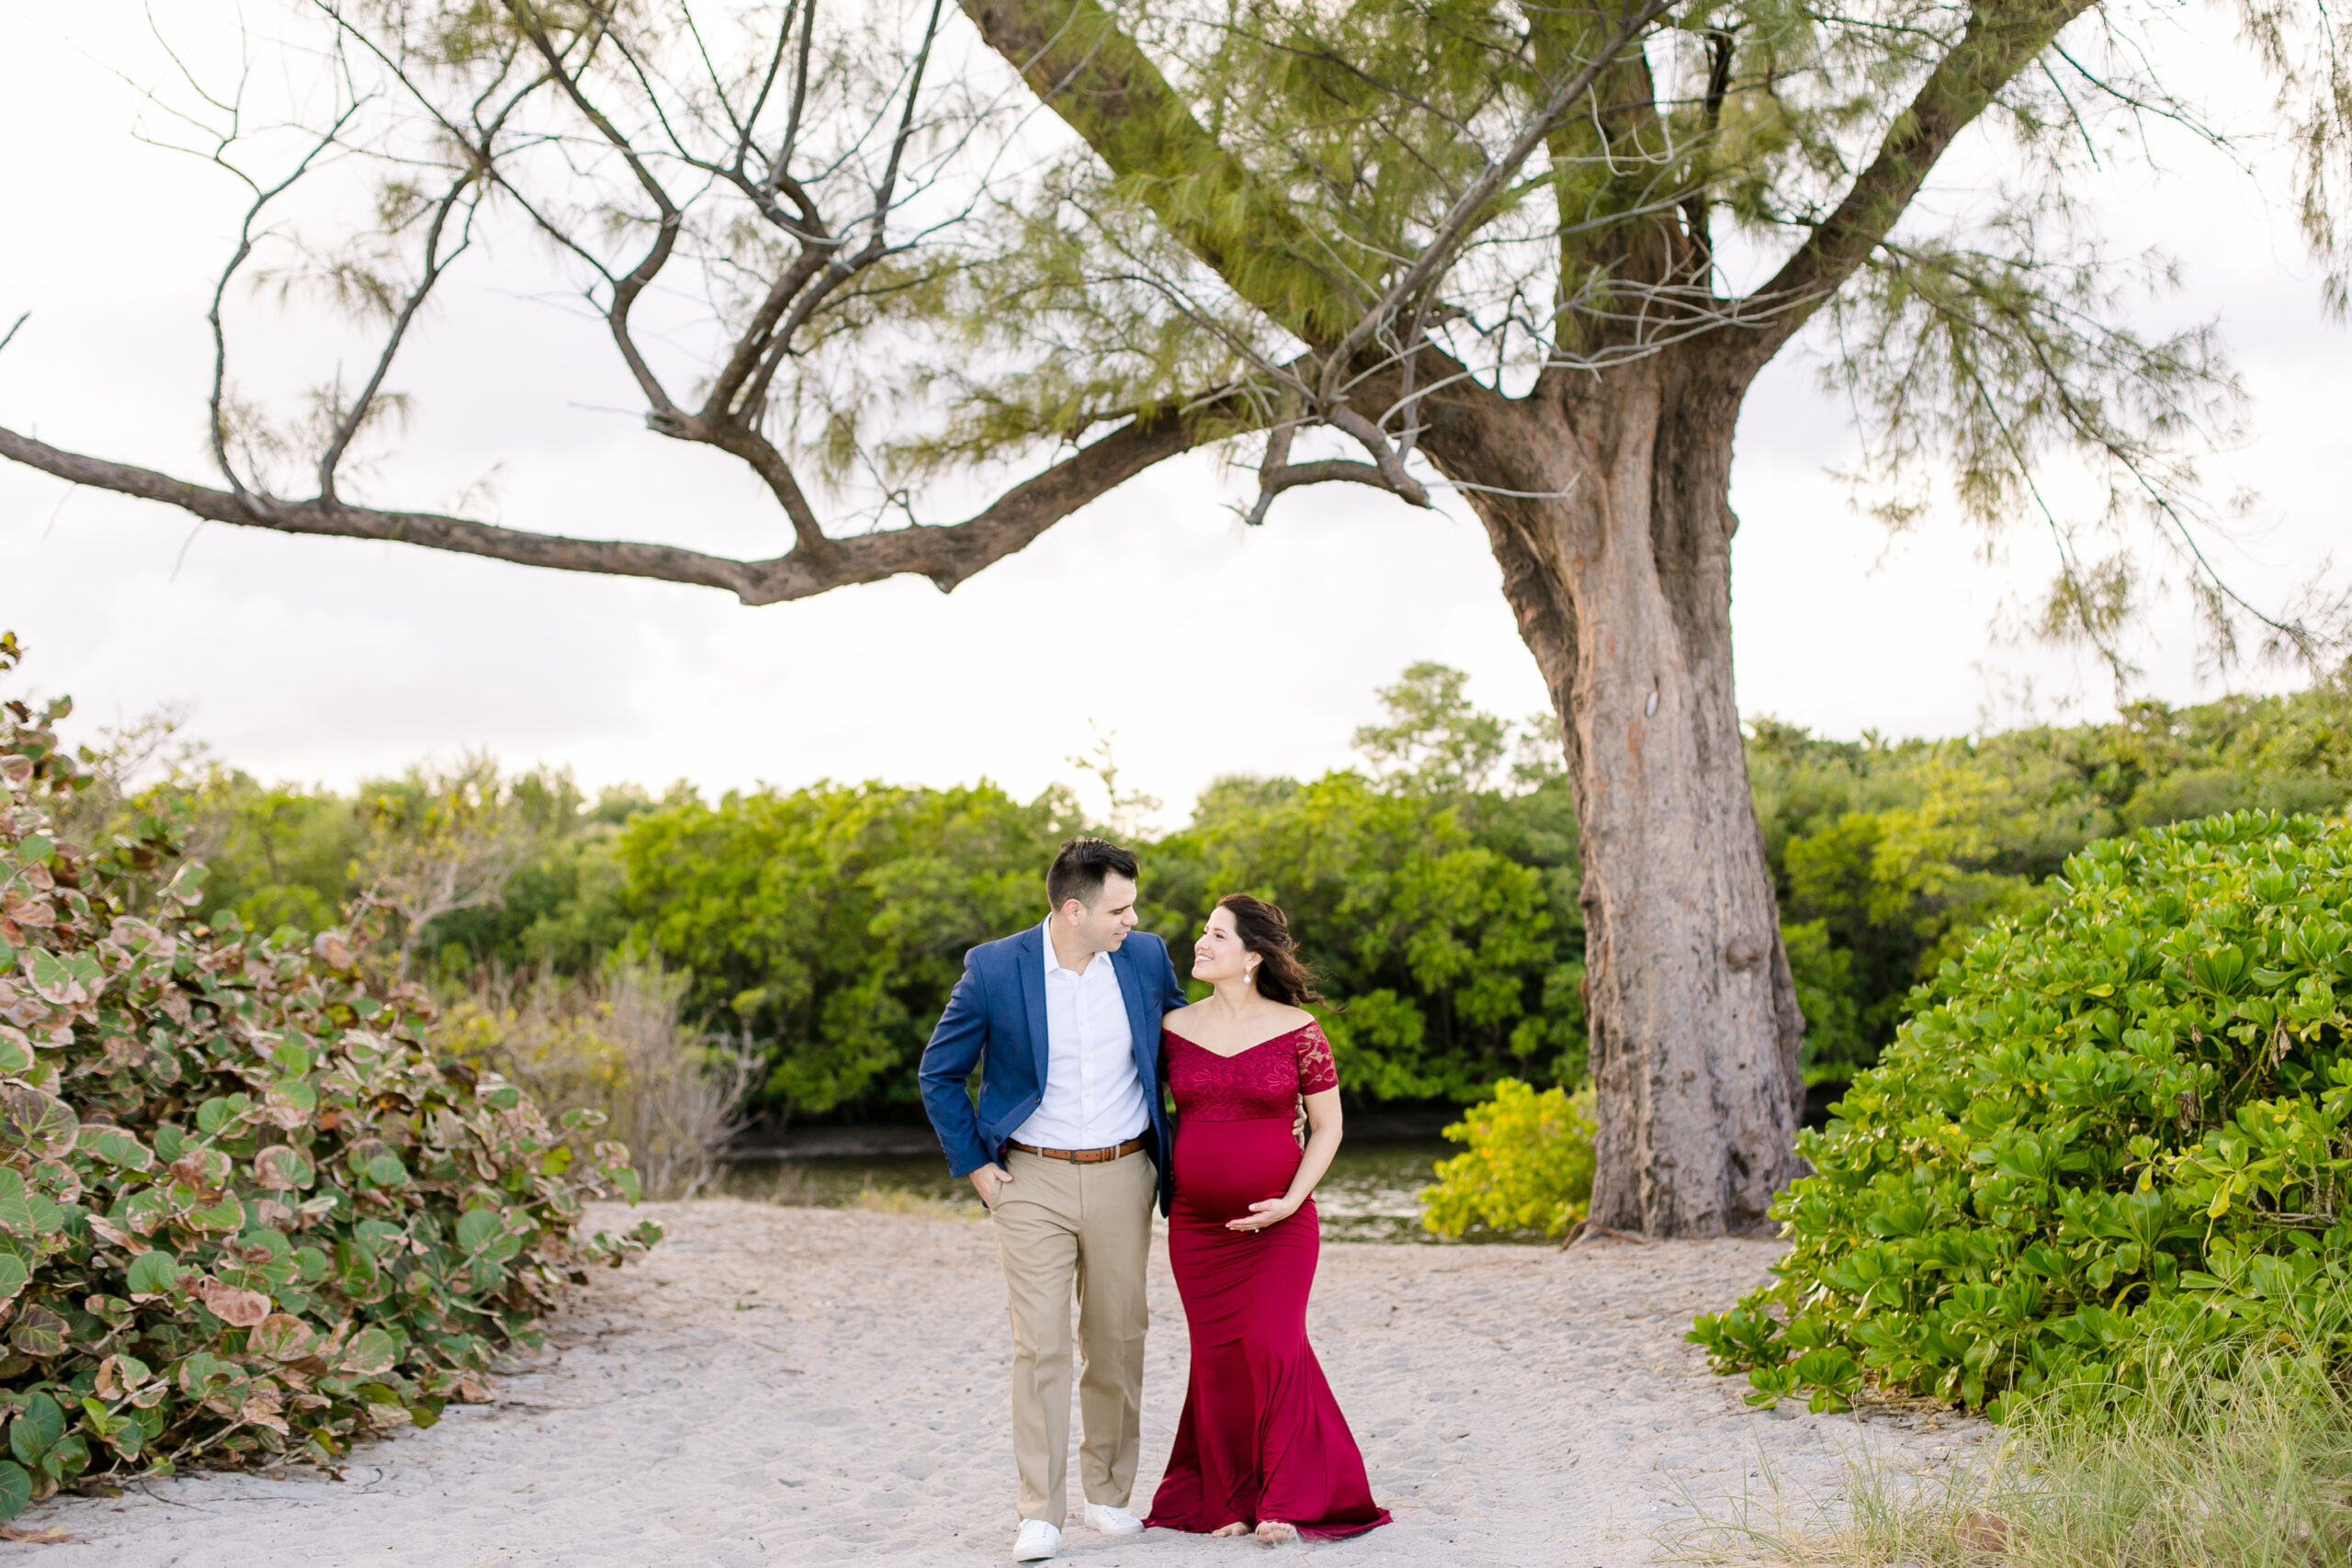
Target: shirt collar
[{"x": 1052, "y": 962}]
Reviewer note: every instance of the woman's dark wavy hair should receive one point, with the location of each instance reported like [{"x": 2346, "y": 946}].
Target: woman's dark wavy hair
[{"x": 1264, "y": 929}]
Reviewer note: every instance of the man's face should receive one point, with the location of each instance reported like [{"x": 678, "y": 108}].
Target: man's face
[{"x": 1104, "y": 926}]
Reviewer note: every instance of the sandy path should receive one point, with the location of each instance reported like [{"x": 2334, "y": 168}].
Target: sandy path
[{"x": 789, "y": 1385}]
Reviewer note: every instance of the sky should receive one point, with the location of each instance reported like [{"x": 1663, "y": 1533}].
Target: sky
[{"x": 1202, "y": 646}]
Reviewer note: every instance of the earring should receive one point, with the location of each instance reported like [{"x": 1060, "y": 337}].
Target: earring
[{"x": 1248, "y": 976}]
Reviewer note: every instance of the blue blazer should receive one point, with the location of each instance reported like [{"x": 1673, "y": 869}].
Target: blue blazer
[{"x": 996, "y": 1018}]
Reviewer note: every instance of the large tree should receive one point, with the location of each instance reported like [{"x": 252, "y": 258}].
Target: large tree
[{"x": 1537, "y": 253}]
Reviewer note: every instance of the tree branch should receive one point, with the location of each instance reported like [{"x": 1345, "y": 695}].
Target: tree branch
[
  {"x": 1080, "y": 64},
  {"x": 1471, "y": 204},
  {"x": 946, "y": 554},
  {"x": 2000, "y": 40}
]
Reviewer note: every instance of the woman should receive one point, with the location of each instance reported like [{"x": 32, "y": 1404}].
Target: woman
[{"x": 1260, "y": 1444}]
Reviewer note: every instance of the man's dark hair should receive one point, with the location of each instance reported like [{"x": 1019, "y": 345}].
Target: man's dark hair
[{"x": 1079, "y": 870}]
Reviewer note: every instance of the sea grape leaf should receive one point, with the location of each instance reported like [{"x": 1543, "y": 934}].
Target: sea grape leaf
[
  {"x": 16, "y": 1488},
  {"x": 39, "y": 1333},
  {"x": 476, "y": 1226},
  {"x": 282, "y": 1337},
  {"x": 226, "y": 1215},
  {"x": 153, "y": 1273},
  {"x": 370, "y": 1352},
  {"x": 355, "y": 1270},
  {"x": 16, "y": 1205},
  {"x": 281, "y": 1168},
  {"x": 36, "y": 1430},
  {"x": 237, "y": 1308},
  {"x": 42, "y": 1124}
]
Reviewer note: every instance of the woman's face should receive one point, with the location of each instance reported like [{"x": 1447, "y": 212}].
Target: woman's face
[{"x": 1217, "y": 952}]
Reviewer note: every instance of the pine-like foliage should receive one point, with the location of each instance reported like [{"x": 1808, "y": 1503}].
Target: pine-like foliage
[{"x": 243, "y": 1211}]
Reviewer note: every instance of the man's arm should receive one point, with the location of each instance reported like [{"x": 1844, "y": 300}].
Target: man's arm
[{"x": 947, "y": 1062}]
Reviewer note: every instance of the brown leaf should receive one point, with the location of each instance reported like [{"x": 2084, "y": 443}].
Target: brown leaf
[
  {"x": 48, "y": 1537},
  {"x": 330, "y": 946},
  {"x": 238, "y": 1308},
  {"x": 108, "y": 1231},
  {"x": 273, "y": 1168},
  {"x": 282, "y": 1337},
  {"x": 204, "y": 1170}
]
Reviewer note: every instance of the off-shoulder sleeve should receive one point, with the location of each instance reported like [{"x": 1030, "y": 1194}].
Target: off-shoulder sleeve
[{"x": 1317, "y": 1071}]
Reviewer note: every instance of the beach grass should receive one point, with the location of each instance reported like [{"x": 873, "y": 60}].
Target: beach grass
[{"x": 2243, "y": 1462}]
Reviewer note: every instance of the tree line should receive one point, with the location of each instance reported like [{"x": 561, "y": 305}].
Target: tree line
[{"x": 1435, "y": 884}]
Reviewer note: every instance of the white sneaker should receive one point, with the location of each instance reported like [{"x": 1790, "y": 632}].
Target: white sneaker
[
  {"x": 1038, "y": 1541},
  {"x": 1111, "y": 1521}
]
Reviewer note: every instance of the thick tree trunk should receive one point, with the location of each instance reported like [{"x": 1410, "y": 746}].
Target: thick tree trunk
[{"x": 1616, "y": 554}]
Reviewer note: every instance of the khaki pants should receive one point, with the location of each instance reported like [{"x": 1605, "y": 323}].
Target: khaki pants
[{"x": 1056, "y": 1224}]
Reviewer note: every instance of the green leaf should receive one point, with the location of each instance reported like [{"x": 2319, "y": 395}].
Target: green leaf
[
  {"x": 15, "y": 1057},
  {"x": 226, "y": 1215},
  {"x": 116, "y": 1147},
  {"x": 479, "y": 1227},
  {"x": 385, "y": 1170},
  {"x": 355, "y": 1271},
  {"x": 16, "y": 1488},
  {"x": 39, "y": 1333},
  {"x": 16, "y": 1205},
  {"x": 36, "y": 847},
  {"x": 14, "y": 1276},
  {"x": 36, "y": 1430},
  {"x": 153, "y": 1273}
]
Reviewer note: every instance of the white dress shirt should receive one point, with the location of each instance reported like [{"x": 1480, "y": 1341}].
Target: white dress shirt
[{"x": 1094, "y": 1097}]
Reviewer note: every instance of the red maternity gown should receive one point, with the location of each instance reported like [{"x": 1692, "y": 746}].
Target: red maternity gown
[{"x": 1261, "y": 1438}]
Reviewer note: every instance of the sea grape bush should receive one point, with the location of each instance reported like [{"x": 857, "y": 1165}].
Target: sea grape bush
[
  {"x": 243, "y": 1211},
  {"x": 2107, "y": 1135},
  {"x": 1528, "y": 1165}
]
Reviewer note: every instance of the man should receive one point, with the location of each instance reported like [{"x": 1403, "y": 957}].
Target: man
[{"x": 1065, "y": 1146}]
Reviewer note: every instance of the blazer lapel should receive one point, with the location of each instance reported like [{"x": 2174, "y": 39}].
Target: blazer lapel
[
  {"x": 1032, "y": 997},
  {"x": 1143, "y": 1030}
]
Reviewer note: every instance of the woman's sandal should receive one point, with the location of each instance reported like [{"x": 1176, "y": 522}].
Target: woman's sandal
[{"x": 1275, "y": 1532}]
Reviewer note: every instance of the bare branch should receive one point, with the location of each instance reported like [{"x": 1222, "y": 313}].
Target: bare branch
[{"x": 946, "y": 554}]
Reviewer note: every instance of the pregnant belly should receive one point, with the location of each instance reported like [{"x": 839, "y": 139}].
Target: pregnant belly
[{"x": 1222, "y": 1167}]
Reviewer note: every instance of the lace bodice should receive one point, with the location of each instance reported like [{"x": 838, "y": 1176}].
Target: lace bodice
[{"x": 1265, "y": 1081}]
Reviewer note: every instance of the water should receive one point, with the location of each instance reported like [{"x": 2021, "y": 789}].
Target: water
[{"x": 1372, "y": 1192}]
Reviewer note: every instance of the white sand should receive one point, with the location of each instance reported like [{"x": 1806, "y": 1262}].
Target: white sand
[{"x": 791, "y": 1386}]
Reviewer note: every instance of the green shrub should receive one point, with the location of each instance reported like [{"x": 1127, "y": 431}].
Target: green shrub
[
  {"x": 1529, "y": 1166},
  {"x": 2107, "y": 1135},
  {"x": 242, "y": 1210}
]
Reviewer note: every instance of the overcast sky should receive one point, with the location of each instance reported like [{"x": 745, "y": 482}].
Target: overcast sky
[{"x": 1206, "y": 646}]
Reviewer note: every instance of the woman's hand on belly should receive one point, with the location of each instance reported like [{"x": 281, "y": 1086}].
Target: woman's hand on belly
[{"x": 1268, "y": 1211}]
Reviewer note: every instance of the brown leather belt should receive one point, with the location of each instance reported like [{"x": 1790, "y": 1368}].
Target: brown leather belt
[{"x": 1080, "y": 1156}]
